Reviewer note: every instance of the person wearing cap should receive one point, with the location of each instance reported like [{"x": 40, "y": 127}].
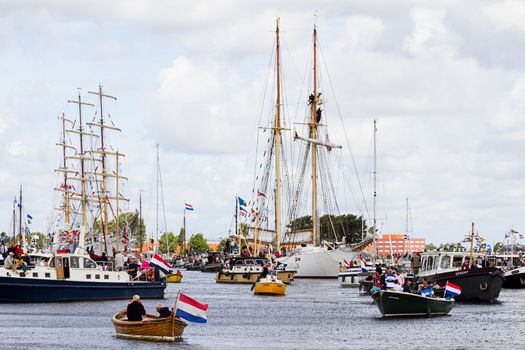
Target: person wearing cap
[{"x": 9, "y": 262}]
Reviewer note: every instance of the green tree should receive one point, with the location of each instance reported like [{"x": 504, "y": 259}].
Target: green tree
[
  {"x": 332, "y": 227},
  {"x": 129, "y": 224},
  {"x": 430, "y": 246},
  {"x": 168, "y": 238},
  {"x": 198, "y": 243}
]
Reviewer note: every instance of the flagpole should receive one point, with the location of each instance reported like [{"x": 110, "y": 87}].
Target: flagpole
[
  {"x": 20, "y": 215},
  {"x": 184, "y": 230}
]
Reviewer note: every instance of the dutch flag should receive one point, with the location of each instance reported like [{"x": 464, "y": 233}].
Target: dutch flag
[
  {"x": 363, "y": 264},
  {"x": 188, "y": 206},
  {"x": 190, "y": 309},
  {"x": 157, "y": 261},
  {"x": 452, "y": 289}
]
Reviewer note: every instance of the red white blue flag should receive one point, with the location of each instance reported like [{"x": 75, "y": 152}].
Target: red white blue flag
[
  {"x": 188, "y": 206},
  {"x": 190, "y": 309},
  {"x": 157, "y": 261},
  {"x": 452, "y": 289}
]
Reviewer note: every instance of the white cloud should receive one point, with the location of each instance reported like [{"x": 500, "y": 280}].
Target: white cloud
[{"x": 507, "y": 14}]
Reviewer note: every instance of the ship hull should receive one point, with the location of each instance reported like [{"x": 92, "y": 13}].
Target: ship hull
[
  {"x": 25, "y": 290},
  {"x": 515, "y": 278},
  {"x": 399, "y": 304},
  {"x": 317, "y": 262},
  {"x": 483, "y": 284}
]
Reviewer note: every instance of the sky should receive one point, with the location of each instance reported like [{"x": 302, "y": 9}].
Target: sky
[{"x": 445, "y": 81}]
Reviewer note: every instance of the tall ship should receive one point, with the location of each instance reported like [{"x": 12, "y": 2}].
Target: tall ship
[
  {"x": 313, "y": 256},
  {"x": 68, "y": 272}
]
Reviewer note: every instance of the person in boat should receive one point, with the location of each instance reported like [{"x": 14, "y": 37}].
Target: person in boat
[
  {"x": 20, "y": 262},
  {"x": 465, "y": 265},
  {"x": 265, "y": 271},
  {"x": 178, "y": 272},
  {"x": 377, "y": 277},
  {"x": 407, "y": 288},
  {"x": 136, "y": 309},
  {"x": 119, "y": 261},
  {"x": 9, "y": 262},
  {"x": 341, "y": 267},
  {"x": 426, "y": 289},
  {"x": 150, "y": 274},
  {"x": 400, "y": 278},
  {"x": 133, "y": 268},
  {"x": 391, "y": 281},
  {"x": 163, "y": 311}
]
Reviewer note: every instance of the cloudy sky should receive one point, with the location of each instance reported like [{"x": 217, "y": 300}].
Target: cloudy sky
[{"x": 446, "y": 81}]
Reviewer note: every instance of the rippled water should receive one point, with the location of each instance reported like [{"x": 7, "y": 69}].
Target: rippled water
[{"x": 314, "y": 314}]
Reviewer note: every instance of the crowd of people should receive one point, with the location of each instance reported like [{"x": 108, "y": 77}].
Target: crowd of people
[{"x": 394, "y": 279}]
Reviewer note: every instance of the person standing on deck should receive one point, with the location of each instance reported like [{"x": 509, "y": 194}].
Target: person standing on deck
[{"x": 119, "y": 261}]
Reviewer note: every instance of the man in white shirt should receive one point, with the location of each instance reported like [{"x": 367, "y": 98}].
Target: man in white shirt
[{"x": 119, "y": 261}]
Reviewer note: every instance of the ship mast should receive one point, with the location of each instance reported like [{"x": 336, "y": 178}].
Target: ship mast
[
  {"x": 375, "y": 192},
  {"x": 313, "y": 135},
  {"x": 104, "y": 232},
  {"x": 277, "y": 138},
  {"x": 157, "y": 205},
  {"x": 83, "y": 197},
  {"x": 65, "y": 187},
  {"x": 20, "y": 217}
]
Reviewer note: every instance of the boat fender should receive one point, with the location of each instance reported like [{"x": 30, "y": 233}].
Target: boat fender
[
  {"x": 246, "y": 275},
  {"x": 483, "y": 286},
  {"x": 227, "y": 273},
  {"x": 343, "y": 279}
]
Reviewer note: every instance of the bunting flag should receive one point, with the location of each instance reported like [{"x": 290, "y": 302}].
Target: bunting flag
[
  {"x": 29, "y": 217},
  {"x": 260, "y": 194},
  {"x": 241, "y": 201}
]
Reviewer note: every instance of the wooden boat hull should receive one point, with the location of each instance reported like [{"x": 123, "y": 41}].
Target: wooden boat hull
[
  {"x": 174, "y": 278},
  {"x": 150, "y": 328},
  {"x": 482, "y": 284},
  {"x": 269, "y": 288},
  {"x": 515, "y": 278},
  {"x": 250, "y": 278},
  {"x": 25, "y": 290},
  {"x": 399, "y": 304}
]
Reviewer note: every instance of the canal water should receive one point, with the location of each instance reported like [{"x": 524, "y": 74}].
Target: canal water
[{"x": 315, "y": 314}]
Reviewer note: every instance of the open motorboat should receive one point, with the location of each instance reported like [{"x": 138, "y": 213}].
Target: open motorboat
[
  {"x": 248, "y": 270},
  {"x": 269, "y": 285},
  {"x": 350, "y": 277},
  {"x": 392, "y": 303}
]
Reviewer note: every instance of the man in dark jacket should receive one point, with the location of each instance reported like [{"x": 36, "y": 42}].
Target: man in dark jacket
[
  {"x": 136, "y": 309},
  {"x": 163, "y": 311}
]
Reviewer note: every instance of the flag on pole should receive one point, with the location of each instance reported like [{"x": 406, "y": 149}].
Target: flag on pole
[
  {"x": 241, "y": 201},
  {"x": 188, "y": 207},
  {"x": 452, "y": 289},
  {"x": 157, "y": 261},
  {"x": 363, "y": 264},
  {"x": 190, "y": 309}
]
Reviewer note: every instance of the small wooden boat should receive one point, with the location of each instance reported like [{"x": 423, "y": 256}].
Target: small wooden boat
[
  {"x": 150, "y": 328},
  {"x": 392, "y": 303},
  {"x": 174, "y": 278},
  {"x": 269, "y": 285}
]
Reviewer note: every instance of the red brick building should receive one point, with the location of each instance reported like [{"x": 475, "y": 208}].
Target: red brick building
[{"x": 397, "y": 244}]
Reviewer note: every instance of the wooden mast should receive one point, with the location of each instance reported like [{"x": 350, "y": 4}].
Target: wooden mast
[
  {"x": 21, "y": 239},
  {"x": 83, "y": 197},
  {"x": 313, "y": 136},
  {"x": 104, "y": 233},
  {"x": 64, "y": 167},
  {"x": 471, "y": 246},
  {"x": 14, "y": 219},
  {"x": 117, "y": 195},
  {"x": 277, "y": 137},
  {"x": 375, "y": 193}
]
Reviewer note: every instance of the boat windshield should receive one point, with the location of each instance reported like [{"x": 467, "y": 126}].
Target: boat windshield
[{"x": 89, "y": 264}]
